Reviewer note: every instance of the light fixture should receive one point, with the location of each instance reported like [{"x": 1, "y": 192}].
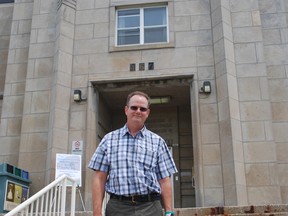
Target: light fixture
[
  {"x": 160, "y": 100},
  {"x": 77, "y": 96},
  {"x": 206, "y": 87}
]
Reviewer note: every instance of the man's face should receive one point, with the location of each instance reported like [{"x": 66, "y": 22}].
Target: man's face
[{"x": 137, "y": 111}]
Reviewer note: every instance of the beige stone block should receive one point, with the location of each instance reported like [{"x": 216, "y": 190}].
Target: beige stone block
[
  {"x": 213, "y": 197},
  {"x": 259, "y": 152},
  {"x": 244, "y": 5},
  {"x": 3, "y": 126},
  {"x": 260, "y": 53},
  {"x": 205, "y": 56},
  {"x": 21, "y": 55},
  {"x": 91, "y": 46},
  {"x": 62, "y": 97},
  {"x": 245, "y": 53},
  {"x": 247, "y": 34},
  {"x": 199, "y": 22},
  {"x": 182, "y": 23},
  {"x": 212, "y": 176},
  {"x": 226, "y": 16},
  {"x": 232, "y": 87},
  {"x": 61, "y": 119},
  {"x": 228, "y": 34},
  {"x": 92, "y": 16},
  {"x": 193, "y": 38},
  {"x": 46, "y": 35},
  {"x": 60, "y": 139},
  {"x": 218, "y": 32},
  {"x": 282, "y": 152},
  {"x": 234, "y": 109},
  {"x": 241, "y": 19},
  {"x": 284, "y": 35},
  {"x": 278, "y": 89},
  {"x": 40, "y": 21},
  {"x": 40, "y": 102},
  {"x": 33, "y": 160},
  {"x": 271, "y": 36},
  {"x": 35, "y": 123},
  {"x": 256, "y": 18},
  {"x": 257, "y": 174},
  {"x": 210, "y": 133},
  {"x": 251, "y": 70},
  {"x": 265, "y": 94},
  {"x": 255, "y": 110},
  {"x": 219, "y": 51},
  {"x": 211, "y": 154},
  {"x": 222, "y": 88},
  {"x": 34, "y": 142},
  {"x": 237, "y": 136},
  {"x": 23, "y": 11},
  {"x": 85, "y": 31},
  {"x": 191, "y": 8},
  {"x": 9, "y": 145},
  {"x": 77, "y": 120},
  {"x": 276, "y": 71},
  {"x": 205, "y": 73},
  {"x": 16, "y": 73},
  {"x": 101, "y": 30},
  {"x": 65, "y": 66},
  {"x": 208, "y": 113},
  {"x": 39, "y": 84},
  {"x": 216, "y": 17},
  {"x": 264, "y": 195},
  {"x": 229, "y": 174},
  {"x": 43, "y": 50},
  {"x": 14, "y": 126},
  {"x": 276, "y": 54},
  {"x": 65, "y": 44},
  {"x": 12, "y": 106},
  {"x": 253, "y": 131},
  {"x": 240, "y": 177},
  {"x": 280, "y": 131},
  {"x": 43, "y": 67},
  {"x": 85, "y": 4},
  {"x": 24, "y": 26}
]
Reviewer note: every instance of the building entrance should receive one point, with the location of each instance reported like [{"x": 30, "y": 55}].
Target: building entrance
[{"x": 169, "y": 118}]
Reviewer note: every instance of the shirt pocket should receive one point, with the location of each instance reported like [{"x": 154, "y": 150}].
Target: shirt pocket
[{"x": 146, "y": 157}]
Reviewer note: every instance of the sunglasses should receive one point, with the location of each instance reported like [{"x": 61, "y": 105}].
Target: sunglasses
[{"x": 135, "y": 108}]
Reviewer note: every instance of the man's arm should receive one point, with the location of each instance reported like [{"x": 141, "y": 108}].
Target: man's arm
[
  {"x": 98, "y": 192},
  {"x": 166, "y": 193}
]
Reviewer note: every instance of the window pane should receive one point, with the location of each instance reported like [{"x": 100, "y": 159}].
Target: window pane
[
  {"x": 128, "y": 18},
  {"x": 131, "y": 36},
  {"x": 153, "y": 35},
  {"x": 128, "y": 22},
  {"x": 155, "y": 16}
]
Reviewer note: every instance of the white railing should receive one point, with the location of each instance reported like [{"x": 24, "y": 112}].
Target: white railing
[{"x": 51, "y": 200}]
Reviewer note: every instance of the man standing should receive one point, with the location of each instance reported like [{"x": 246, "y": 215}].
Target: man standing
[{"x": 134, "y": 166}]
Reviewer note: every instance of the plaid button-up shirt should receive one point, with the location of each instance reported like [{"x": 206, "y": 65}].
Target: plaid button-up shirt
[{"x": 135, "y": 164}]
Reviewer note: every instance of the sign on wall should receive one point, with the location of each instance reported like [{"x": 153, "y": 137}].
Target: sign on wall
[
  {"x": 70, "y": 165},
  {"x": 77, "y": 147},
  {"x": 15, "y": 194}
]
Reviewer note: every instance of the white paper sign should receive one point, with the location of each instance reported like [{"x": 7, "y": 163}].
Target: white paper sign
[
  {"x": 70, "y": 165},
  {"x": 77, "y": 147}
]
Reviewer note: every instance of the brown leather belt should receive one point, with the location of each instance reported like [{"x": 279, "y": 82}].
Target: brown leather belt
[{"x": 137, "y": 198}]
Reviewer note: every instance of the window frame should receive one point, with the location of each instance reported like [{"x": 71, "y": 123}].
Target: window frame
[{"x": 142, "y": 27}]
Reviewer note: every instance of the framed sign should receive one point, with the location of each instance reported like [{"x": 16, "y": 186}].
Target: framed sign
[
  {"x": 70, "y": 165},
  {"x": 15, "y": 194}
]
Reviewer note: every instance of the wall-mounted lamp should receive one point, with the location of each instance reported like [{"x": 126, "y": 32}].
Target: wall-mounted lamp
[
  {"x": 77, "y": 96},
  {"x": 206, "y": 87}
]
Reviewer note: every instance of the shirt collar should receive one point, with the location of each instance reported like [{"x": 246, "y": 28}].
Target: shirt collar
[{"x": 125, "y": 130}]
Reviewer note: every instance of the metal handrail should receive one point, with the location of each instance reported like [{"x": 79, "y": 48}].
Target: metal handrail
[{"x": 51, "y": 200}]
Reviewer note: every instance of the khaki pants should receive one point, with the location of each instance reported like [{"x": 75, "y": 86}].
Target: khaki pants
[{"x": 127, "y": 208}]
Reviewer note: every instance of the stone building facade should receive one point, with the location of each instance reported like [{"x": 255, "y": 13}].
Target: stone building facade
[{"x": 230, "y": 145}]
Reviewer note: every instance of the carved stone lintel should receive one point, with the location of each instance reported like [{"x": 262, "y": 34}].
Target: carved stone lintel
[{"x": 69, "y": 3}]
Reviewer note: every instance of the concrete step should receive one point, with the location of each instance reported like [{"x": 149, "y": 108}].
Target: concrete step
[{"x": 263, "y": 210}]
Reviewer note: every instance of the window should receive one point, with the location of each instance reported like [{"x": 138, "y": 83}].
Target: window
[
  {"x": 6, "y": 1},
  {"x": 142, "y": 26}
]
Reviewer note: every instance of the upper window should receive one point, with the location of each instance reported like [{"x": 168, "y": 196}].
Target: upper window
[
  {"x": 142, "y": 26},
  {"x": 6, "y": 1}
]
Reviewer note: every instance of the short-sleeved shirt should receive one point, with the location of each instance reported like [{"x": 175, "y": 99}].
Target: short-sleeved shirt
[{"x": 134, "y": 164}]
